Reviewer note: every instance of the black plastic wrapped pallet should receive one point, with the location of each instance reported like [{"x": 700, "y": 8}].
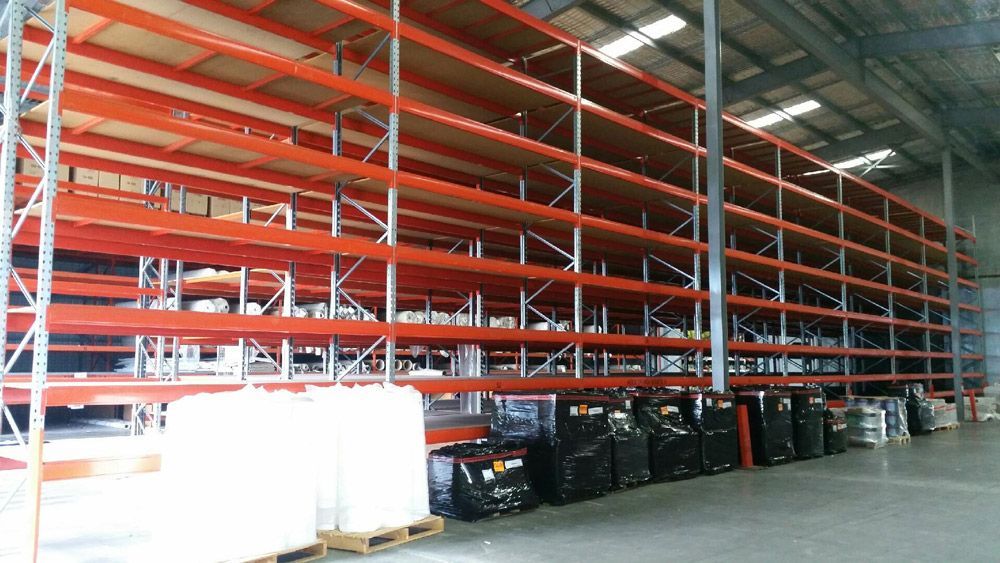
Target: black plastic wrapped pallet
[
  {"x": 568, "y": 439},
  {"x": 808, "y": 405},
  {"x": 629, "y": 445},
  {"x": 475, "y": 481},
  {"x": 674, "y": 447},
  {"x": 770, "y": 415},
  {"x": 919, "y": 411},
  {"x": 834, "y": 433},
  {"x": 713, "y": 415}
]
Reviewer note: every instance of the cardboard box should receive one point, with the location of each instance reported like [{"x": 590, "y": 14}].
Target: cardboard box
[
  {"x": 196, "y": 204},
  {"x": 86, "y": 176},
  {"x": 109, "y": 181},
  {"x": 223, "y": 206},
  {"x": 29, "y": 167},
  {"x": 131, "y": 184}
]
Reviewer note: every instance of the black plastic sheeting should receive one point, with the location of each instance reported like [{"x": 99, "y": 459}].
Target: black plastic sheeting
[
  {"x": 808, "y": 405},
  {"x": 919, "y": 411},
  {"x": 568, "y": 439},
  {"x": 629, "y": 445},
  {"x": 770, "y": 415},
  {"x": 475, "y": 481},
  {"x": 834, "y": 433},
  {"x": 674, "y": 447},
  {"x": 713, "y": 415}
]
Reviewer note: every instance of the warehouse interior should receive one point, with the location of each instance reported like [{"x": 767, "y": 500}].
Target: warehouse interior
[{"x": 452, "y": 280}]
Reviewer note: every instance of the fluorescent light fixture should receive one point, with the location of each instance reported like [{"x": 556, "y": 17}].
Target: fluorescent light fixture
[
  {"x": 802, "y": 107},
  {"x": 663, "y": 27},
  {"x": 619, "y": 47},
  {"x": 765, "y": 120},
  {"x": 866, "y": 160},
  {"x": 878, "y": 155},
  {"x": 783, "y": 114},
  {"x": 816, "y": 172},
  {"x": 659, "y": 28}
]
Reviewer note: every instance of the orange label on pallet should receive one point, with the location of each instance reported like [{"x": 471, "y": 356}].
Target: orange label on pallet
[
  {"x": 498, "y": 466},
  {"x": 583, "y": 409}
]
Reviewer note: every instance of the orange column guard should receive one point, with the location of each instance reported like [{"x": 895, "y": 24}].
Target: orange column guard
[{"x": 743, "y": 430}]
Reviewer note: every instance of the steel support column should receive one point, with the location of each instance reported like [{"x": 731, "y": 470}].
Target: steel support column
[
  {"x": 43, "y": 292},
  {"x": 953, "y": 295},
  {"x": 716, "y": 193},
  {"x": 578, "y": 203},
  {"x": 392, "y": 197}
]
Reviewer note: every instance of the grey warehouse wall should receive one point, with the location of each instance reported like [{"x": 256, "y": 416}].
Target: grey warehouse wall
[{"x": 977, "y": 205}]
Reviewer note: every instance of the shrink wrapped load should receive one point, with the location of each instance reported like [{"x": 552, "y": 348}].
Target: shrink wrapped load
[
  {"x": 674, "y": 447},
  {"x": 568, "y": 439},
  {"x": 770, "y": 415},
  {"x": 866, "y": 427},
  {"x": 475, "y": 481},
  {"x": 944, "y": 413},
  {"x": 807, "y": 421},
  {"x": 713, "y": 415},
  {"x": 629, "y": 445},
  {"x": 986, "y": 408},
  {"x": 896, "y": 424},
  {"x": 834, "y": 433},
  {"x": 919, "y": 412}
]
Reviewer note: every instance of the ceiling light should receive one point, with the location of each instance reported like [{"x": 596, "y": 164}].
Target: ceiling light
[
  {"x": 801, "y": 107},
  {"x": 659, "y": 28},
  {"x": 765, "y": 120},
  {"x": 783, "y": 114},
  {"x": 663, "y": 27},
  {"x": 868, "y": 159},
  {"x": 621, "y": 46}
]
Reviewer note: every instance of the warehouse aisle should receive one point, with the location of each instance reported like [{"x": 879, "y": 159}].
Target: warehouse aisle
[{"x": 926, "y": 501}]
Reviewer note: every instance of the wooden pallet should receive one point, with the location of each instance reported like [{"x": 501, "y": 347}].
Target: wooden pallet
[
  {"x": 301, "y": 554},
  {"x": 899, "y": 439},
  {"x": 869, "y": 445},
  {"x": 952, "y": 426},
  {"x": 370, "y": 542}
]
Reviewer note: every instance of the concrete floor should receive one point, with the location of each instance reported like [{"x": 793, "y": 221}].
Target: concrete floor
[{"x": 935, "y": 499}]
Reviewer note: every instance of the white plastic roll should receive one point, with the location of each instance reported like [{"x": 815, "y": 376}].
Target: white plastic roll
[
  {"x": 379, "y": 365},
  {"x": 316, "y": 310},
  {"x": 540, "y": 325},
  {"x": 252, "y": 308},
  {"x": 407, "y": 365},
  {"x": 200, "y": 273},
  {"x": 397, "y": 365},
  {"x": 406, "y": 317},
  {"x": 216, "y": 305}
]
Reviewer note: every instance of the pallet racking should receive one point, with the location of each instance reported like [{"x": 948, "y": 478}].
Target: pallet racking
[{"x": 450, "y": 156}]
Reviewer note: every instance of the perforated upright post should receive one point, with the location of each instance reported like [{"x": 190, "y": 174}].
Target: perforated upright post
[{"x": 392, "y": 198}]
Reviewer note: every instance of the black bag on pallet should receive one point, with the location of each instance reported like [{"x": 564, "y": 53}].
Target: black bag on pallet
[
  {"x": 834, "y": 433},
  {"x": 475, "y": 481},
  {"x": 713, "y": 415},
  {"x": 568, "y": 439},
  {"x": 770, "y": 415},
  {"x": 629, "y": 445},
  {"x": 920, "y": 417},
  {"x": 807, "y": 421},
  {"x": 674, "y": 447}
]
